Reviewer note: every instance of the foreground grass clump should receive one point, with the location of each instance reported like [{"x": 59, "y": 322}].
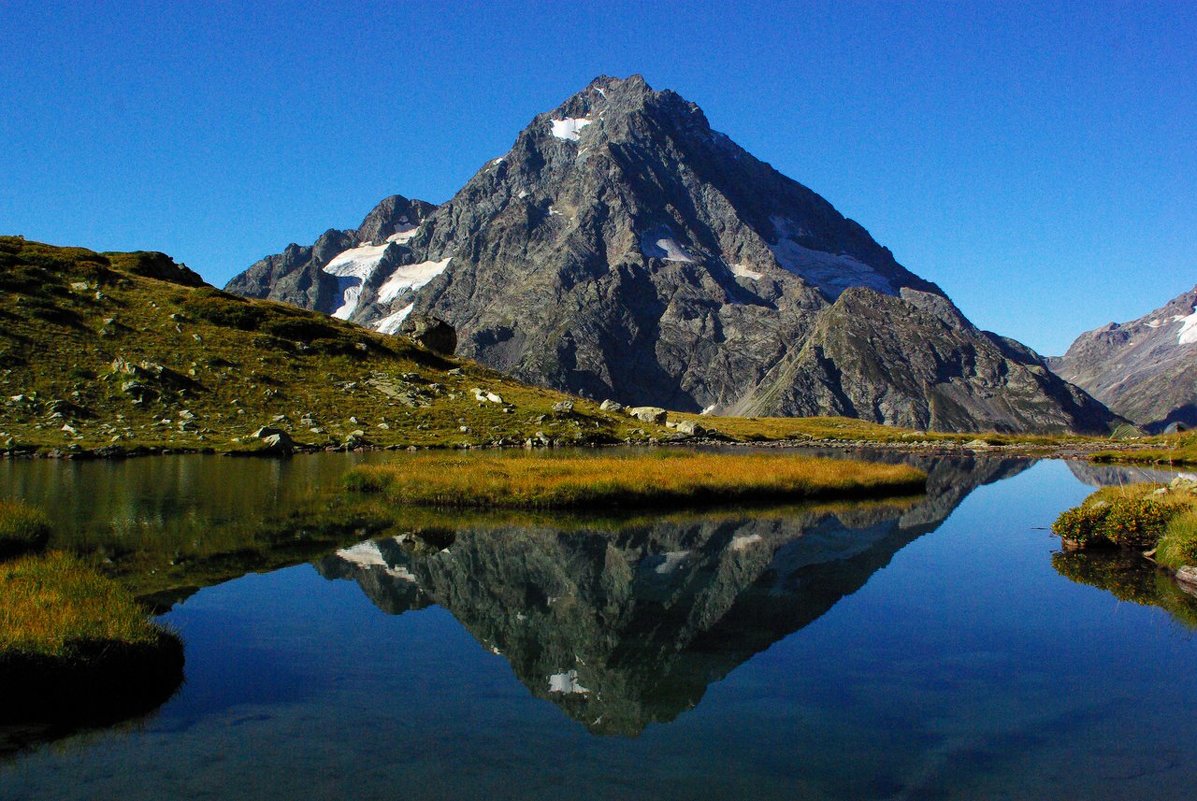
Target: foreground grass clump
[
  {"x": 1178, "y": 546},
  {"x": 22, "y": 528},
  {"x": 1140, "y": 516},
  {"x": 637, "y": 480},
  {"x": 77, "y": 644}
]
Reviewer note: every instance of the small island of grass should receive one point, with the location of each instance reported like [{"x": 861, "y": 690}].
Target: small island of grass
[
  {"x": 76, "y": 647},
  {"x": 655, "y": 479}
]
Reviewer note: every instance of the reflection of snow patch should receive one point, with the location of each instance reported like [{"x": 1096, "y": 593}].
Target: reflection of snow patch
[
  {"x": 569, "y": 128},
  {"x": 390, "y": 324},
  {"x": 364, "y": 554},
  {"x": 410, "y": 277},
  {"x": 743, "y": 272},
  {"x": 742, "y": 543},
  {"x": 673, "y": 560},
  {"x": 831, "y": 273},
  {"x": 1188, "y": 329},
  {"x": 566, "y": 682}
]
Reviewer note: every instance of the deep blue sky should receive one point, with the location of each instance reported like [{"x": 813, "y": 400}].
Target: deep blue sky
[{"x": 1040, "y": 164}]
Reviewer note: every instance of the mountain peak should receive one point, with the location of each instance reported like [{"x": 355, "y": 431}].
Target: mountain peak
[{"x": 622, "y": 248}]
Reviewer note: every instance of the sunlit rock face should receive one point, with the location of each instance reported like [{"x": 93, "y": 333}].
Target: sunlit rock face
[
  {"x": 1146, "y": 369},
  {"x": 626, "y": 623},
  {"x": 622, "y": 248}
]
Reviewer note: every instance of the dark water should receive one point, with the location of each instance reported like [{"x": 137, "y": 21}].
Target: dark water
[{"x": 927, "y": 650}]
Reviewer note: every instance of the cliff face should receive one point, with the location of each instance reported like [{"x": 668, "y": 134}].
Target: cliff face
[{"x": 622, "y": 248}]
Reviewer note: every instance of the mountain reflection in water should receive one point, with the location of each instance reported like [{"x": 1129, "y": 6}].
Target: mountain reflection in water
[{"x": 626, "y": 624}]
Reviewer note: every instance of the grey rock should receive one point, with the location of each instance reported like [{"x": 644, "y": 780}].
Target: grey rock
[
  {"x": 650, "y": 258},
  {"x": 611, "y": 406},
  {"x": 690, "y": 428},
  {"x": 274, "y": 440},
  {"x": 648, "y": 414},
  {"x": 564, "y": 407},
  {"x": 296, "y": 275},
  {"x": 431, "y": 332},
  {"x": 1144, "y": 370}
]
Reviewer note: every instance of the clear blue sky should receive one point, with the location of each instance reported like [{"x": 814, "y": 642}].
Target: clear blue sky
[{"x": 1039, "y": 163}]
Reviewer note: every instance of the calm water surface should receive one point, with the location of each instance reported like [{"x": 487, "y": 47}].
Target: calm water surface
[{"x": 871, "y": 651}]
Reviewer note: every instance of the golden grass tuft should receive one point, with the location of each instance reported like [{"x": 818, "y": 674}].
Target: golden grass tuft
[
  {"x": 664, "y": 478},
  {"x": 51, "y": 604},
  {"x": 22, "y": 528}
]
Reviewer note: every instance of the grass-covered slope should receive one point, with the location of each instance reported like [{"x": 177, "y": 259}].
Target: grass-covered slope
[{"x": 125, "y": 350}]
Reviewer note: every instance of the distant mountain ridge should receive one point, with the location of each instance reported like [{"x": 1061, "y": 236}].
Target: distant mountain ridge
[
  {"x": 1145, "y": 369},
  {"x": 622, "y": 248}
]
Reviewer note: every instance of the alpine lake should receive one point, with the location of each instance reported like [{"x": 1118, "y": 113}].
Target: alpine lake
[{"x": 936, "y": 647}]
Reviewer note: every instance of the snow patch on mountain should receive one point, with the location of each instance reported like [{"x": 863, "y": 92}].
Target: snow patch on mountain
[
  {"x": 570, "y": 128},
  {"x": 410, "y": 277},
  {"x": 742, "y": 271},
  {"x": 660, "y": 244},
  {"x": 390, "y": 324},
  {"x": 1188, "y": 329},
  {"x": 831, "y": 273},
  {"x": 352, "y": 268},
  {"x": 404, "y": 234}
]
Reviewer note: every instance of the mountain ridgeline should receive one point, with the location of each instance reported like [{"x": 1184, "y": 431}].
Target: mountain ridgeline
[
  {"x": 1144, "y": 370},
  {"x": 622, "y": 248}
]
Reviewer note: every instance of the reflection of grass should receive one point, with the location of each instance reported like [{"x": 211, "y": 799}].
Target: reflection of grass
[
  {"x": 1173, "y": 449},
  {"x": 636, "y": 480},
  {"x": 22, "y": 528},
  {"x": 1128, "y": 578},
  {"x": 53, "y": 605}
]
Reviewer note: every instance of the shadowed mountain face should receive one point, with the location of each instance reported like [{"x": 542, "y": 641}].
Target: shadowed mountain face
[
  {"x": 622, "y": 248},
  {"x": 627, "y": 626},
  {"x": 1144, "y": 370}
]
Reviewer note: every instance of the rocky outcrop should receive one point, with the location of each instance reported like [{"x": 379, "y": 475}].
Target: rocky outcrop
[
  {"x": 624, "y": 249},
  {"x": 297, "y": 275},
  {"x": 431, "y": 332},
  {"x": 1145, "y": 370}
]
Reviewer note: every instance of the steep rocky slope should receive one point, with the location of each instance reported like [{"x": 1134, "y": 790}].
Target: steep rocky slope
[
  {"x": 622, "y": 248},
  {"x": 1145, "y": 370}
]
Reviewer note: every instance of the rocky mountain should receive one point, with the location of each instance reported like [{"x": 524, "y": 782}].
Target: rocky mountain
[
  {"x": 327, "y": 275},
  {"x": 627, "y": 624},
  {"x": 1145, "y": 370},
  {"x": 623, "y": 248}
]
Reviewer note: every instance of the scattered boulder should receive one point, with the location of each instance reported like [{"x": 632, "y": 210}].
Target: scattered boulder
[
  {"x": 1187, "y": 578},
  {"x": 977, "y": 444},
  {"x": 431, "y": 332},
  {"x": 356, "y": 439},
  {"x": 690, "y": 428},
  {"x": 564, "y": 407},
  {"x": 274, "y": 440},
  {"x": 648, "y": 414},
  {"x": 611, "y": 406}
]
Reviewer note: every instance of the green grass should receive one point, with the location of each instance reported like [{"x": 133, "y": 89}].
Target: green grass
[
  {"x": 99, "y": 354},
  {"x": 1178, "y": 546},
  {"x": 55, "y": 606},
  {"x": 847, "y": 429},
  {"x": 22, "y": 528},
  {"x": 1168, "y": 449},
  {"x": 668, "y": 478},
  {"x": 1139, "y": 516}
]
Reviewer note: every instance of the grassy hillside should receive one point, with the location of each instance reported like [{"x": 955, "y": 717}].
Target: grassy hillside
[{"x": 125, "y": 350}]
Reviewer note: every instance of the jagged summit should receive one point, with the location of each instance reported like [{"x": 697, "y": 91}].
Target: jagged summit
[{"x": 623, "y": 248}]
